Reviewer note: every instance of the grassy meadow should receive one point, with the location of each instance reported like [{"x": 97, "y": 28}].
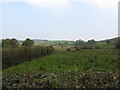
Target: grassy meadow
[{"x": 106, "y": 59}]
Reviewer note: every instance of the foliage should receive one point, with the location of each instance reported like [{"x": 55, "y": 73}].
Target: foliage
[
  {"x": 79, "y": 42},
  {"x": 8, "y": 43},
  {"x": 14, "y": 43},
  {"x": 68, "y": 49},
  {"x": 28, "y": 43},
  {"x": 14, "y": 56},
  {"x": 92, "y": 78},
  {"x": 91, "y": 41}
]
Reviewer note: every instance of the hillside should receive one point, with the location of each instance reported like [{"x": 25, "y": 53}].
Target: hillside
[{"x": 112, "y": 40}]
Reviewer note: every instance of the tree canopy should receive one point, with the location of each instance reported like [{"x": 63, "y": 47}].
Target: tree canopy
[
  {"x": 14, "y": 43},
  {"x": 10, "y": 43},
  {"x": 79, "y": 42},
  {"x": 92, "y": 41},
  {"x": 28, "y": 43}
]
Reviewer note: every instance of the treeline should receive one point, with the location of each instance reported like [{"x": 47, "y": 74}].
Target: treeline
[
  {"x": 15, "y": 56},
  {"x": 81, "y": 42},
  {"x": 13, "y": 43},
  {"x": 74, "y": 43}
]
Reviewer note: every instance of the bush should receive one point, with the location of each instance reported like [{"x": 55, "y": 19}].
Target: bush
[{"x": 68, "y": 49}]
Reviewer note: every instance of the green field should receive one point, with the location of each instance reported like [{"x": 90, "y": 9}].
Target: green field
[
  {"x": 105, "y": 59},
  {"x": 105, "y": 45}
]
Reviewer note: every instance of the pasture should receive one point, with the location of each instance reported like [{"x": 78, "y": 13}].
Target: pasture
[{"x": 103, "y": 59}]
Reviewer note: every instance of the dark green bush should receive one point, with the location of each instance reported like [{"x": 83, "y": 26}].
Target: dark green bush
[
  {"x": 14, "y": 56},
  {"x": 68, "y": 49}
]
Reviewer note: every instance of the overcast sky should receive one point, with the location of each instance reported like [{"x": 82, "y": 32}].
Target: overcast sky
[{"x": 59, "y": 19}]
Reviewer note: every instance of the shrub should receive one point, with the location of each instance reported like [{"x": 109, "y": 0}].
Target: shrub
[{"x": 68, "y": 49}]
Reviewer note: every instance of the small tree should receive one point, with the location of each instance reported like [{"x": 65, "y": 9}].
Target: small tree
[
  {"x": 28, "y": 43},
  {"x": 14, "y": 43},
  {"x": 6, "y": 43}
]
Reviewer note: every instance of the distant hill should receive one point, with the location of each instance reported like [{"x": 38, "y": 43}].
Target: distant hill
[
  {"x": 113, "y": 40},
  {"x": 64, "y": 42}
]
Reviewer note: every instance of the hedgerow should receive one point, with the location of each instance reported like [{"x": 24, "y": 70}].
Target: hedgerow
[{"x": 14, "y": 56}]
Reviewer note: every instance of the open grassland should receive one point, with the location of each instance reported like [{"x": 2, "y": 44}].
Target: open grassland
[{"x": 101, "y": 59}]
